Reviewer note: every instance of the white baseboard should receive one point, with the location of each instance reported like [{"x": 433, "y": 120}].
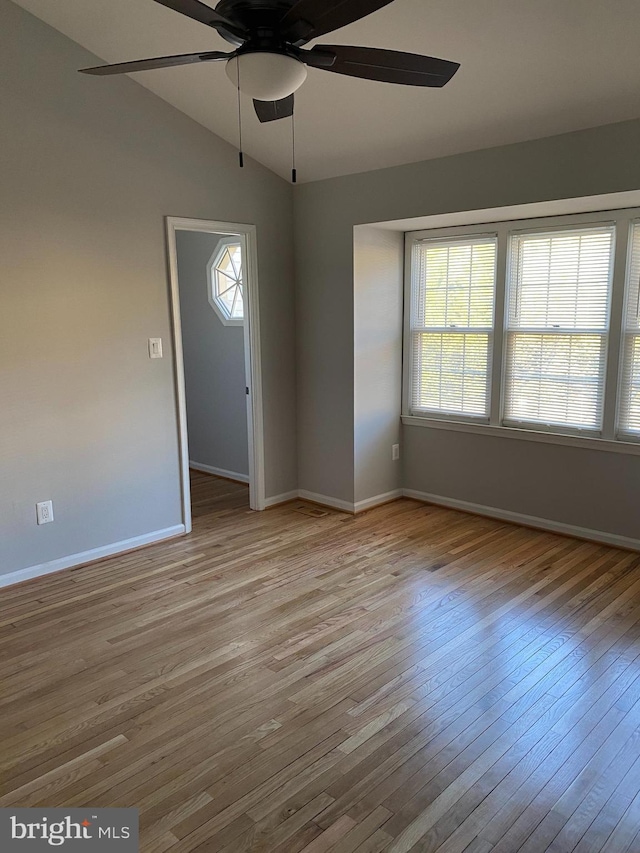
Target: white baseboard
[
  {"x": 376, "y": 500},
  {"x": 83, "y": 557},
  {"x": 281, "y": 499},
  {"x": 325, "y": 500},
  {"x": 335, "y": 503},
  {"x": 90, "y": 556},
  {"x": 219, "y": 472},
  {"x": 599, "y": 536}
]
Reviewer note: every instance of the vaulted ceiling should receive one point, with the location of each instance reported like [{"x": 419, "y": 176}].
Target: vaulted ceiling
[{"x": 530, "y": 68}]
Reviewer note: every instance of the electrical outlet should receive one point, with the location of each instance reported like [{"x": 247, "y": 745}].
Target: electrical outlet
[
  {"x": 44, "y": 512},
  {"x": 395, "y": 452},
  {"x": 155, "y": 347}
]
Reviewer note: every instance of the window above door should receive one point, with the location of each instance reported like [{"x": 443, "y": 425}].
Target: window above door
[{"x": 224, "y": 277}]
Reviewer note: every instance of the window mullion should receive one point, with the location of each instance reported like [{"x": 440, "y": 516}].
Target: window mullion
[
  {"x": 499, "y": 321},
  {"x": 557, "y": 331},
  {"x": 630, "y": 339},
  {"x": 616, "y": 331},
  {"x": 408, "y": 366},
  {"x": 452, "y": 330}
]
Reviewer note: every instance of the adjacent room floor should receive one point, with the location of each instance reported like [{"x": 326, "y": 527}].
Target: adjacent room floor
[{"x": 410, "y": 679}]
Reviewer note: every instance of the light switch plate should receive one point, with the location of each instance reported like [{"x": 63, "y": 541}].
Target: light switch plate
[{"x": 155, "y": 347}]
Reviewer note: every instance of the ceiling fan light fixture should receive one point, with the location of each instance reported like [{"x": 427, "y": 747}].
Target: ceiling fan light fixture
[{"x": 267, "y": 76}]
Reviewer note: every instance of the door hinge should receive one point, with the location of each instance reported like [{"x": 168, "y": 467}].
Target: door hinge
[{"x": 246, "y": 390}]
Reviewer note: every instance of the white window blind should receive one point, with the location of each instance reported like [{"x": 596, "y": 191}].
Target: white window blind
[
  {"x": 630, "y": 379},
  {"x": 453, "y": 294},
  {"x": 558, "y": 288}
]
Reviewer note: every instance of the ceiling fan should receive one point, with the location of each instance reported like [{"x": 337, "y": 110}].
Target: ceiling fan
[{"x": 269, "y": 63}]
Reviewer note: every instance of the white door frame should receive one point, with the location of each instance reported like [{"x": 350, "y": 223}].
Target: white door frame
[{"x": 253, "y": 370}]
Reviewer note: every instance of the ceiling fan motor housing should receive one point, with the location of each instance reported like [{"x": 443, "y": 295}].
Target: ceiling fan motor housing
[{"x": 261, "y": 18}]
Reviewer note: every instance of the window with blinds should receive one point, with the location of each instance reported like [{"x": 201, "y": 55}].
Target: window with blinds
[
  {"x": 558, "y": 300},
  {"x": 629, "y": 412},
  {"x": 451, "y": 326}
]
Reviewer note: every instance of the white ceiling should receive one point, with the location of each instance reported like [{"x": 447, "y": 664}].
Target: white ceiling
[{"x": 530, "y": 68}]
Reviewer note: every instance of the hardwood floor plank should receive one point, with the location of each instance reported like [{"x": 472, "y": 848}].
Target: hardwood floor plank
[
  {"x": 331, "y": 836},
  {"x": 408, "y": 679}
]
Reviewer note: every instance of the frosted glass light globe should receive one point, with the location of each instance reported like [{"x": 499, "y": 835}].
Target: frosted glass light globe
[{"x": 267, "y": 76}]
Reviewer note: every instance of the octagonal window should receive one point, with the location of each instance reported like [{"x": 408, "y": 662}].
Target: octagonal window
[{"x": 225, "y": 281}]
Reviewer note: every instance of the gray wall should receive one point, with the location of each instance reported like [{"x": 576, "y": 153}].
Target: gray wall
[
  {"x": 597, "y": 490},
  {"x": 89, "y": 167},
  {"x": 590, "y": 162},
  {"x": 324, "y": 317},
  {"x": 214, "y": 368},
  {"x": 88, "y": 170},
  {"x": 378, "y": 265}
]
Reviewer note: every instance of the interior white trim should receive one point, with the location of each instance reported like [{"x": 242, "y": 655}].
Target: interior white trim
[
  {"x": 630, "y": 448},
  {"x": 326, "y": 500},
  {"x": 599, "y": 536},
  {"x": 253, "y": 364},
  {"x": 281, "y": 499},
  {"x": 573, "y": 530},
  {"x": 219, "y": 472},
  {"x": 349, "y": 506},
  {"x": 90, "y": 556},
  {"x": 376, "y": 500}
]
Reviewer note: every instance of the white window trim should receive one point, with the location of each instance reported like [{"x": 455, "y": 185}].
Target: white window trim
[
  {"x": 488, "y": 330},
  {"x": 602, "y": 333},
  {"x": 609, "y": 438},
  {"x": 621, "y": 433},
  {"x": 223, "y": 243}
]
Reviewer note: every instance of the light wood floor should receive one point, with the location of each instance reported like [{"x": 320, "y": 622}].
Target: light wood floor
[{"x": 411, "y": 679}]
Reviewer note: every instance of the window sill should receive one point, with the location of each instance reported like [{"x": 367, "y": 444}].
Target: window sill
[{"x": 629, "y": 448}]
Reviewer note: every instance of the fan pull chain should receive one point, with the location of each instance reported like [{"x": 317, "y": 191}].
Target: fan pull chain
[
  {"x": 294, "y": 172},
  {"x": 240, "y": 154}
]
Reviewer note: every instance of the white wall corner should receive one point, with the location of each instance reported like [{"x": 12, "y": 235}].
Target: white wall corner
[
  {"x": 378, "y": 500},
  {"x": 335, "y": 503},
  {"x": 281, "y": 499},
  {"x": 325, "y": 500}
]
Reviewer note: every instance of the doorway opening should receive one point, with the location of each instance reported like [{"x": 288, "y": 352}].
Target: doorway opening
[{"x": 214, "y": 300}]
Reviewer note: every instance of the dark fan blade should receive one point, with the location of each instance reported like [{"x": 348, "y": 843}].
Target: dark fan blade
[
  {"x": 315, "y": 58},
  {"x": 308, "y": 19},
  {"x": 158, "y": 62},
  {"x": 273, "y": 110},
  {"x": 389, "y": 66},
  {"x": 205, "y": 15}
]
